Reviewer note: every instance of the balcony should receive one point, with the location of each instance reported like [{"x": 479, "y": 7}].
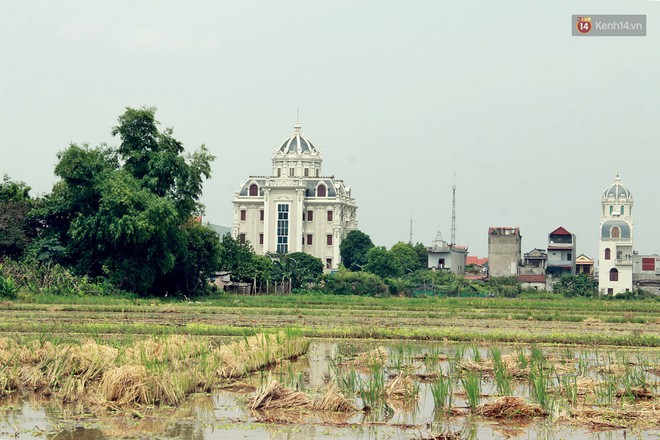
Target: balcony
[
  {"x": 624, "y": 261},
  {"x": 559, "y": 263}
]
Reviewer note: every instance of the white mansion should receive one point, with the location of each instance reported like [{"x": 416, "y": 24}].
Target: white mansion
[
  {"x": 615, "y": 253},
  {"x": 296, "y": 209}
]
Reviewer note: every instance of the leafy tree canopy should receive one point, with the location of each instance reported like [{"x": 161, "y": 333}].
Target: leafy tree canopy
[
  {"x": 125, "y": 213},
  {"x": 354, "y": 248},
  {"x": 15, "y": 229},
  {"x": 576, "y": 285}
]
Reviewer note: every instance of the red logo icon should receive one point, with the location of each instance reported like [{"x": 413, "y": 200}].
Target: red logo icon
[{"x": 583, "y": 25}]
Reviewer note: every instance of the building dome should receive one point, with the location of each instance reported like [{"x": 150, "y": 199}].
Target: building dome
[
  {"x": 617, "y": 190},
  {"x": 297, "y": 143}
]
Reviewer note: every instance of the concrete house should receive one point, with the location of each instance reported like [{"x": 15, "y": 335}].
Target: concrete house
[{"x": 504, "y": 254}]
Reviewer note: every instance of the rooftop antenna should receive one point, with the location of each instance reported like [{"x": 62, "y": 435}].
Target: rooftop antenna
[{"x": 453, "y": 212}]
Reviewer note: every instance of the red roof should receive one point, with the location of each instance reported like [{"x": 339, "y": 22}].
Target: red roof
[
  {"x": 560, "y": 231},
  {"x": 473, "y": 259},
  {"x": 531, "y": 278}
]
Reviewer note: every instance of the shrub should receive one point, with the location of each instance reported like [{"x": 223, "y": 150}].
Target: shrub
[
  {"x": 352, "y": 283},
  {"x": 8, "y": 287}
]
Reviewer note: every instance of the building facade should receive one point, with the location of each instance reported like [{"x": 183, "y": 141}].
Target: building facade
[
  {"x": 446, "y": 256},
  {"x": 584, "y": 265},
  {"x": 615, "y": 250},
  {"x": 561, "y": 253},
  {"x": 296, "y": 208},
  {"x": 504, "y": 254}
]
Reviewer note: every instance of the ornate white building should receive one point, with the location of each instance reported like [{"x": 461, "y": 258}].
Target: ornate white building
[
  {"x": 615, "y": 253},
  {"x": 296, "y": 209}
]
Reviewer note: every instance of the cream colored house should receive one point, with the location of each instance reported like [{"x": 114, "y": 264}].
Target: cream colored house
[
  {"x": 296, "y": 208},
  {"x": 615, "y": 253}
]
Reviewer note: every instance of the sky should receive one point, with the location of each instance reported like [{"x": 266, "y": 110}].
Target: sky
[{"x": 398, "y": 95}]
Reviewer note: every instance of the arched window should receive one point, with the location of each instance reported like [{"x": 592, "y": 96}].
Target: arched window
[
  {"x": 254, "y": 190},
  {"x": 614, "y": 275},
  {"x": 607, "y": 253},
  {"x": 611, "y": 209},
  {"x": 615, "y": 232},
  {"x": 622, "y": 210},
  {"x": 320, "y": 191}
]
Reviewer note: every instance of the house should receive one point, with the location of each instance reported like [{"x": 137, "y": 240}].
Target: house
[
  {"x": 532, "y": 281},
  {"x": 646, "y": 272},
  {"x": 504, "y": 255},
  {"x": 584, "y": 265},
  {"x": 615, "y": 250},
  {"x": 297, "y": 208},
  {"x": 561, "y": 253},
  {"x": 446, "y": 256}
]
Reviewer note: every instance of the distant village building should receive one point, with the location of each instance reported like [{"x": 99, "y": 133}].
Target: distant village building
[
  {"x": 476, "y": 268},
  {"x": 296, "y": 208},
  {"x": 615, "y": 254},
  {"x": 561, "y": 253},
  {"x": 646, "y": 272},
  {"x": 504, "y": 254},
  {"x": 446, "y": 256},
  {"x": 536, "y": 258},
  {"x": 532, "y": 281},
  {"x": 584, "y": 265},
  {"x": 532, "y": 272}
]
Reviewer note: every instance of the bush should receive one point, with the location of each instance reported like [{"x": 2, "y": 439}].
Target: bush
[
  {"x": 352, "y": 283},
  {"x": 576, "y": 285},
  {"x": 8, "y": 287},
  {"x": 508, "y": 287}
]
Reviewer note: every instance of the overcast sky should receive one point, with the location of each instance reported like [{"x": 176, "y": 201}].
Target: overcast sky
[{"x": 398, "y": 95}]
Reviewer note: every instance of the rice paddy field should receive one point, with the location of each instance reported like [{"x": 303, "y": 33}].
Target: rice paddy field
[{"x": 320, "y": 367}]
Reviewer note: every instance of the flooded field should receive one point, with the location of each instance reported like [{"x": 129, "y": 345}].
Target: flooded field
[{"x": 380, "y": 390}]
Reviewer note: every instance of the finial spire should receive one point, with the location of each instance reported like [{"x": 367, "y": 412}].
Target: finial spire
[{"x": 297, "y": 128}]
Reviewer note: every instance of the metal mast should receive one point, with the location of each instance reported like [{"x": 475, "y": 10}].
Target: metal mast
[
  {"x": 410, "y": 239},
  {"x": 453, "y": 212}
]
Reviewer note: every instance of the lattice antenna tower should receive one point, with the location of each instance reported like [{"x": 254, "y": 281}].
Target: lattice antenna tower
[{"x": 453, "y": 212}]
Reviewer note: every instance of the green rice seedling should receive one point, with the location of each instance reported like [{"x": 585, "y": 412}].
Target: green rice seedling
[
  {"x": 569, "y": 386},
  {"x": 539, "y": 387},
  {"x": 583, "y": 365},
  {"x": 372, "y": 389},
  {"x": 476, "y": 354},
  {"x": 501, "y": 373},
  {"x": 472, "y": 385},
  {"x": 460, "y": 353},
  {"x": 441, "y": 390},
  {"x": 536, "y": 357},
  {"x": 521, "y": 358}
]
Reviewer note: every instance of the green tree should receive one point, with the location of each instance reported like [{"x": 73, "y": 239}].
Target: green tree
[
  {"x": 406, "y": 257},
  {"x": 124, "y": 213},
  {"x": 354, "y": 248},
  {"x": 576, "y": 285},
  {"x": 381, "y": 263},
  {"x": 15, "y": 228},
  {"x": 306, "y": 269},
  {"x": 422, "y": 255},
  {"x": 237, "y": 258}
]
